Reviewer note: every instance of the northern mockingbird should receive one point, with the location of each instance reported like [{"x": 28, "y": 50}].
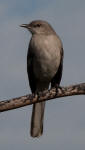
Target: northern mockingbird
[{"x": 44, "y": 66}]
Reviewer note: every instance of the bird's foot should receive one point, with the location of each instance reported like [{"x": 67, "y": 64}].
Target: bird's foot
[{"x": 57, "y": 87}]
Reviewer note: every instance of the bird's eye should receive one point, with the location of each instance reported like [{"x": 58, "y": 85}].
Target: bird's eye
[{"x": 37, "y": 25}]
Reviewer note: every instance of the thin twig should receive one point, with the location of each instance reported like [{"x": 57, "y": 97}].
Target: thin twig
[{"x": 14, "y": 103}]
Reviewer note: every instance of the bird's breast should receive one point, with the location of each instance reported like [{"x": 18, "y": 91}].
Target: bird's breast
[{"x": 46, "y": 57}]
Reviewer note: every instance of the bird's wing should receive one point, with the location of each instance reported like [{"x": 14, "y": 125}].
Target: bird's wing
[
  {"x": 31, "y": 76},
  {"x": 57, "y": 78}
]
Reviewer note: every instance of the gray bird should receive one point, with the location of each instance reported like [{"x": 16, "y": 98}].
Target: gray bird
[{"x": 44, "y": 66}]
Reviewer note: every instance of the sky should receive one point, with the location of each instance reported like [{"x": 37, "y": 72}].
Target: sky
[{"x": 64, "y": 124}]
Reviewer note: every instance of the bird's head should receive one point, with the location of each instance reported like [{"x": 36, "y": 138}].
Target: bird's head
[{"x": 39, "y": 27}]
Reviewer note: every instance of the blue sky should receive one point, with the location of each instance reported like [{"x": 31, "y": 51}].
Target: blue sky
[{"x": 64, "y": 125}]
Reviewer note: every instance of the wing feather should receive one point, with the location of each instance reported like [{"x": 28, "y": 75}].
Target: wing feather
[
  {"x": 31, "y": 76},
  {"x": 57, "y": 78}
]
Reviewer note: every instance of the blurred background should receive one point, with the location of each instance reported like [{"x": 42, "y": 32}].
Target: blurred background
[{"x": 64, "y": 125}]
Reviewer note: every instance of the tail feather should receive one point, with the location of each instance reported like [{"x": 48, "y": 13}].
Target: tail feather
[{"x": 37, "y": 119}]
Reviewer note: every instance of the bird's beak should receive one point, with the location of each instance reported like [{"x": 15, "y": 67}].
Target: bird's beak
[{"x": 25, "y": 26}]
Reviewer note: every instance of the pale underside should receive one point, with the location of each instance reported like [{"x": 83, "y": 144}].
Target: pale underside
[{"x": 46, "y": 58}]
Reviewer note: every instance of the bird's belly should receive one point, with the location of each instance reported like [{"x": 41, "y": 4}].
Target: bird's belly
[
  {"x": 47, "y": 57},
  {"x": 46, "y": 66}
]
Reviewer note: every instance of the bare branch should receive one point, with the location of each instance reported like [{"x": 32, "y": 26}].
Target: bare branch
[{"x": 14, "y": 103}]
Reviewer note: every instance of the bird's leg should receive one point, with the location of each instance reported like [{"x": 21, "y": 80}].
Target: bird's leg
[{"x": 57, "y": 87}]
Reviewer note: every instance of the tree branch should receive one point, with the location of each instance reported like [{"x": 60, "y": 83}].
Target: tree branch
[{"x": 14, "y": 103}]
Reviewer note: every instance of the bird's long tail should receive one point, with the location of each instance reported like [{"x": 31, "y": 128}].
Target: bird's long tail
[
  {"x": 37, "y": 119},
  {"x": 38, "y": 113}
]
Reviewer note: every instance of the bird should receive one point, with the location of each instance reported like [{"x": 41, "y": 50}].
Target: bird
[{"x": 44, "y": 66}]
